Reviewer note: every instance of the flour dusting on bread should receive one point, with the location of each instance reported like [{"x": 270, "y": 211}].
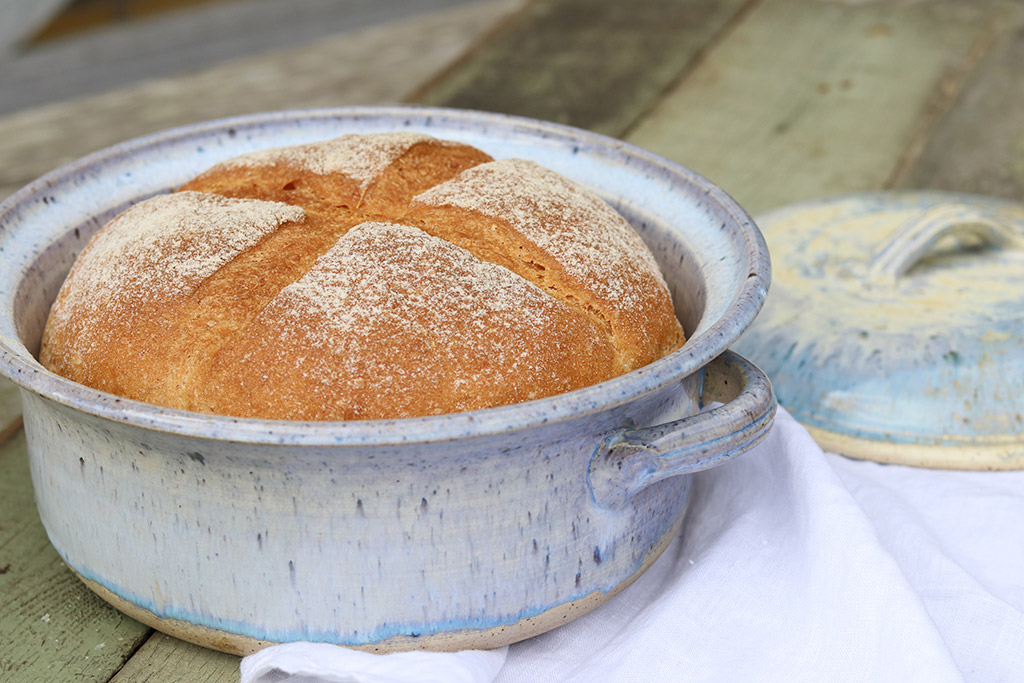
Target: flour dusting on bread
[
  {"x": 360, "y": 157},
  {"x": 448, "y": 332},
  {"x": 501, "y": 282},
  {"x": 579, "y": 230},
  {"x": 167, "y": 245},
  {"x": 387, "y": 270}
]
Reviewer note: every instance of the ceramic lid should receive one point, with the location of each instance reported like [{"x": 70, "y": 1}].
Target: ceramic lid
[{"x": 894, "y": 329}]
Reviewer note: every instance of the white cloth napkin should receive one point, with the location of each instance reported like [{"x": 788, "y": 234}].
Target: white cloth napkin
[
  {"x": 793, "y": 565},
  {"x": 322, "y": 663}
]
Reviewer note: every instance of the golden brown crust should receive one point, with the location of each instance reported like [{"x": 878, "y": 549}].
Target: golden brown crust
[
  {"x": 364, "y": 277},
  {"x": 467, "y": 334}
]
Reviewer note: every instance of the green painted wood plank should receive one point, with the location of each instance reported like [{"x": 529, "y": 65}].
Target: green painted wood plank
[
  {"x": 978, "y": 144},
  {"x": 164, "y": 659},
  {"x": 596, "y": 64},
  {"x": 810, "y": 99},
  {"x": 52, "y": 628},
  {"x": 377, "y": 65},
  {"x": 170, "y": 43}
]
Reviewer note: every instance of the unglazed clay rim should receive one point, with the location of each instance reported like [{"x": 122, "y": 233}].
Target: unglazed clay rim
[
  {"x": 1005, "y": 455},
  {"x": 697, "y": 352}
]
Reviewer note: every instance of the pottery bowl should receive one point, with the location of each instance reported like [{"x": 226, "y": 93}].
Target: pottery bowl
[{"x": 456, "y": 531}]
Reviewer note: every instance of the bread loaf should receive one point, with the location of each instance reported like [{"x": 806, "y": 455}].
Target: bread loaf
[{"x": 370, "y": 276}]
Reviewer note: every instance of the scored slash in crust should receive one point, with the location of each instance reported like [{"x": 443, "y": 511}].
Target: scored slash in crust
[{"x": 370, "y": 276}]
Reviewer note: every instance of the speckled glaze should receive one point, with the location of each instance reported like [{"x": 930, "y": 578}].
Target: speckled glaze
[
  {"x": 895, "y": 327},
  {"x": 466, "y": 530}
]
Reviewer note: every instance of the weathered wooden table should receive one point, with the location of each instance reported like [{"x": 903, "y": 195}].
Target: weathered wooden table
[{"x": 775, "y": 100}]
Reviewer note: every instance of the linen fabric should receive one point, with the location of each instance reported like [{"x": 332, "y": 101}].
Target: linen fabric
[{"x": 792, "y": 565}]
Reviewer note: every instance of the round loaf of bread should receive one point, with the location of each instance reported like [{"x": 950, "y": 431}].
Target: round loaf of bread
[{"x": 365, "y": 277}]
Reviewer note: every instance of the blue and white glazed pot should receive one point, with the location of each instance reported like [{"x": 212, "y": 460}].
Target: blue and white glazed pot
[{"x": 456, "y": 531}]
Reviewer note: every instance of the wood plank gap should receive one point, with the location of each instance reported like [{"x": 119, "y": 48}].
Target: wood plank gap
[
  {"x": 467, "y": 55},
  {"x": 977, "y": 145},
  {"x": 835, "y": 123},
  {"x": 362, "y": 72},
  {"x": 163, "y": 659},
  {"x": 698, "y": 58},
  {"x": 10, "y": 406},
  {"x": 11, "y": 430},
  {"x": 79, "y": 17},
  {"x": 138, "y": 646},
  {"x": 181, "y": 42},
  {"x": 594, "y": 64},
  {"x": 945, "y": 96}
]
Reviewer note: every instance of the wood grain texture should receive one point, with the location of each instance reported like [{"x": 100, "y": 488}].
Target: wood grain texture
[
  {"x": 164, "y": 659},
  {"x": 809, "y": 99},
  {"x": 177, "y": 42},
  {"x": 52, "y": 628},
  {"x": 978, "y": 144},
  {"x": 375, "y": 66},
  {"x": 596, "y": 64}
]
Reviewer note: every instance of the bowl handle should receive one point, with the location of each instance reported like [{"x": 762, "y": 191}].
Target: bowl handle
[{"x": 632, "y": 458}]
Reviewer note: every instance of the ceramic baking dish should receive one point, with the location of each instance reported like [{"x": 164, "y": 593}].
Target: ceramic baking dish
[{"x": 465, "y": 530}]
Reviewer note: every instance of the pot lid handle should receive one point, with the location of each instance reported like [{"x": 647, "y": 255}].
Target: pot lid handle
[
  {"x": 633, "y": 458},
  {"x": 912, "y": 240}
]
